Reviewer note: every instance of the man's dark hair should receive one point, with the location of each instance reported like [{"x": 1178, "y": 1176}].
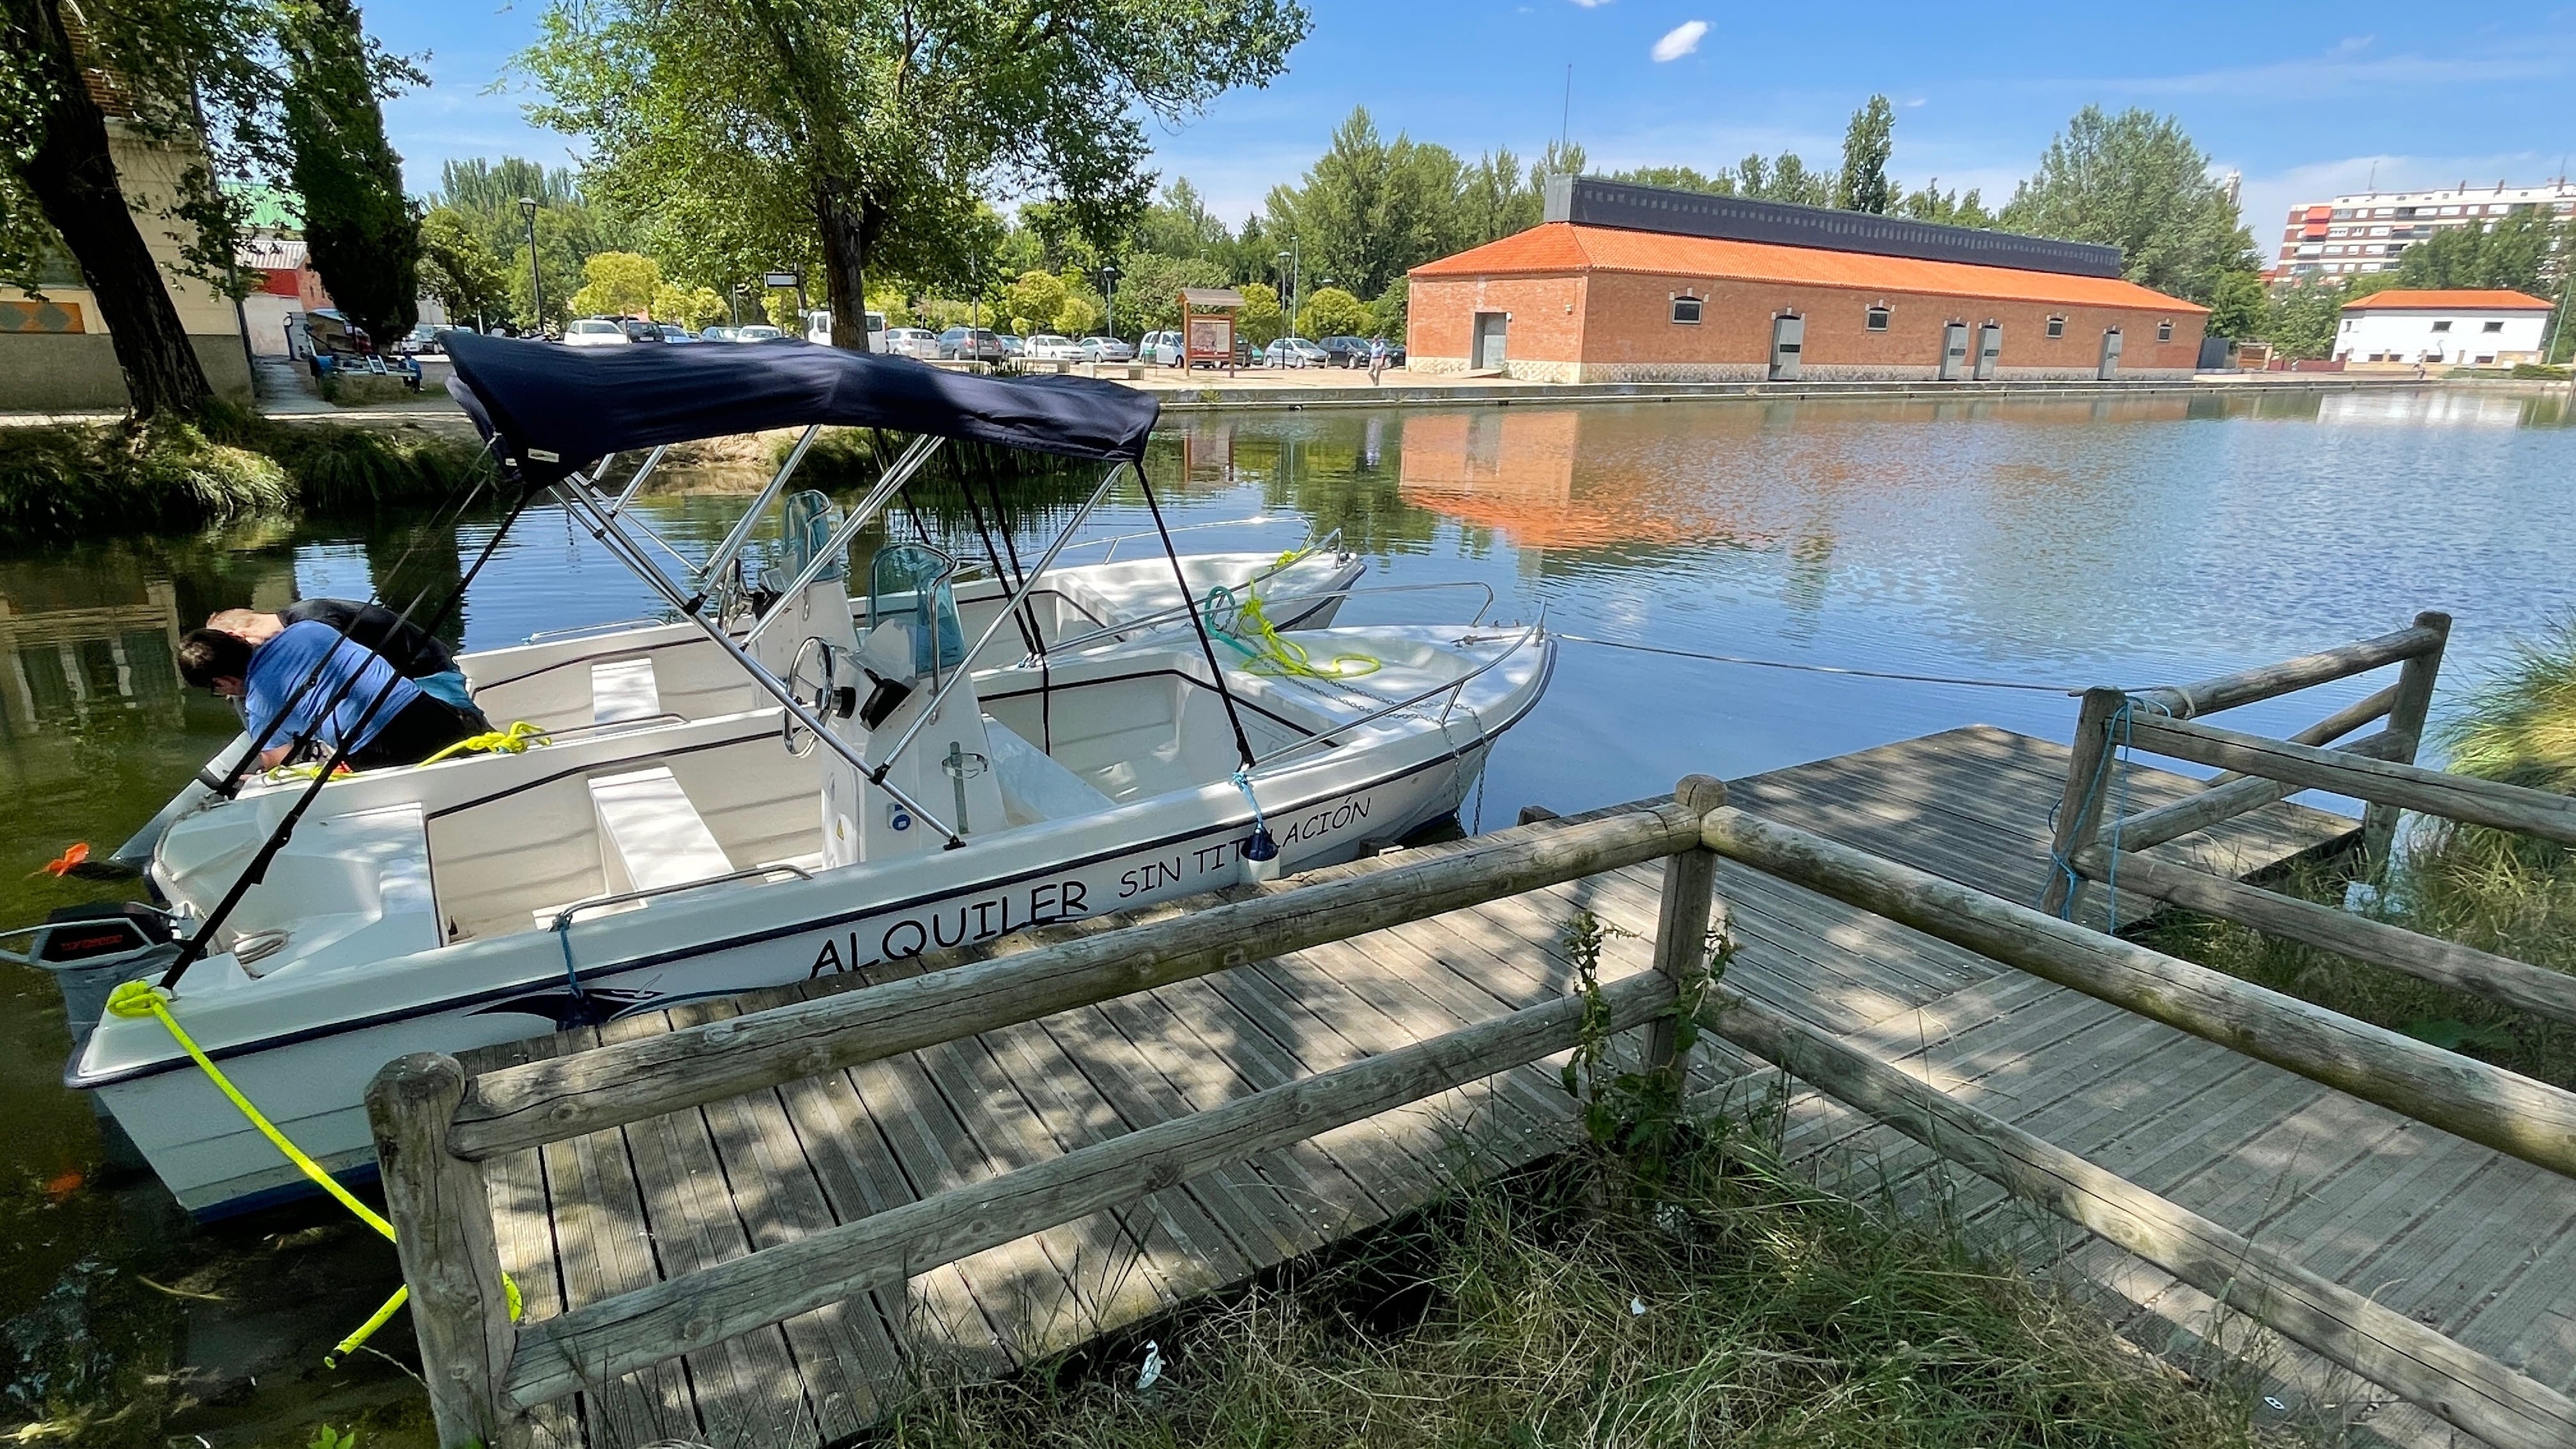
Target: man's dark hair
[{"x": 211, "y": 654}]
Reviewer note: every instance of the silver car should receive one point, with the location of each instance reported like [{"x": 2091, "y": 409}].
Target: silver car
[
  {"x": 911, "y": 342},
  {"x": 1107, "y": 349}
]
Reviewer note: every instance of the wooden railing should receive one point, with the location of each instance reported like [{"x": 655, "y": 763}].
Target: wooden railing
[
  {"x": 435, "y": 1127},
  {"x": 2378, "y": 768}
]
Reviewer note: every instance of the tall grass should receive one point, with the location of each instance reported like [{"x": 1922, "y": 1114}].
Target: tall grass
[
  {"x": 1731, "y": 1305},
  {"x": 65, "y": 481}
]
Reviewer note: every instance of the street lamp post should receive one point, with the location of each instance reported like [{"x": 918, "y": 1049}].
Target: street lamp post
[
  {"x": 1292, "y": 261},
  {"x": 536, "y": 279}
]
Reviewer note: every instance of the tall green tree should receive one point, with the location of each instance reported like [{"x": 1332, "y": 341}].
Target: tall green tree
[
  {"x": 359, "y": 228},
  {"x": 1784, "y": 178},
  {"x": 2137, "y": 182},
  {"x": 1929, "y": 202},
  {"x": 2513, "y": 255},
  {"x": 1180, "y": 225},
  {"x": 2240, "y": 306},
  {"x": 459, "y": 270},
  {"x": 1496, "y": 198},
  {"x": 191, "y": 78},
  {"x": 1862, "y": 185},
  {"x": 2304, "y": 318},
  {"x": 1369, "y": 209},
  {"x": 865, "y": 129}
]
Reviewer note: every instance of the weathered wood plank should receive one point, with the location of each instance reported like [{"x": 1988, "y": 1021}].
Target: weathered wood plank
[
  {"x": 2535, "y": 989},
  {"x": 2227, "y": 691},
  {"x": 2149, "y": 829},
  {"x": 2463, "y": 1387},
  {"x": 2381, "y": 782},
  {"x": 681, "y": 1315},
  {"x": 549, "y": 1099},
  {"x": 2486, "y": 1104},
  {"x": 2406, "y": 715}
]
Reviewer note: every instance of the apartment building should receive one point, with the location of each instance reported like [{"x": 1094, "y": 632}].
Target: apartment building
[{"x": 2366, "y": 232}]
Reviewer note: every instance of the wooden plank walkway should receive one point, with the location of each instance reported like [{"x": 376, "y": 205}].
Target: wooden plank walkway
[{"x": 2461, "y": 1237}]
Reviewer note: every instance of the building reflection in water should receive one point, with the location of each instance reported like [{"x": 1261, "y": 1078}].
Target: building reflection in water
[{"x": 59, "y": 667}]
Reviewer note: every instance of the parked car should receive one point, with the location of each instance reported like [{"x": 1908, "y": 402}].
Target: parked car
[
  {"x": 1162, "y": 349},
  {"x": 1395, "y": 352},
  {"x": 912, "y": 342},
  {"x": 760, "y": 332},
  {"x": 595, "y": 332},
  {"x": 1107, "y": 349},
  {"x": 1345, "y": 351},
  {"x": 972, "y": 344},
  {"x": 1051, "y": 347},
  {"x": 674, "y": 332},
  {"x": 1293, "y": 352},
  {"x": 716, "y": 334},
  {"x": 1014, "y": 346},
  {"x": 420, "y": 339}
]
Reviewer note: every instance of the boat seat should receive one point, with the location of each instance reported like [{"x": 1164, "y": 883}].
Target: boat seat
[
  {"x": 1035, "y": 786},
  {"x": 623, "y": 689},
  {"x": 650, "y": 836}
]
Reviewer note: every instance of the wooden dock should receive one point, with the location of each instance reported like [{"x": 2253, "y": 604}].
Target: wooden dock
[{"x": 2454, "y": 1234}]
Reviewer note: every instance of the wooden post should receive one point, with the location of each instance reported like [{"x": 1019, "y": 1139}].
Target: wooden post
[
  {"x": 460, "y": 1306},
  {"x": 1681, "y": 919},
  {"x": 2079, "y": 807},
  {"x": 2415, "y": 679},
  {"x": 2455, "y": 1383}
]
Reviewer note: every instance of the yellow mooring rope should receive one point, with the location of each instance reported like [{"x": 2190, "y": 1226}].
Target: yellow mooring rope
[
  {"x": 142, "y": 998},
  {"x": 512, "y": 741},
  {"x": 1270, "y": 652}
]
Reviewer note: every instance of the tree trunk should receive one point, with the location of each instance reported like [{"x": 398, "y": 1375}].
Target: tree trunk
[
  {"x": 73, "y": 177},
  {"x": 849, "y": 226}
]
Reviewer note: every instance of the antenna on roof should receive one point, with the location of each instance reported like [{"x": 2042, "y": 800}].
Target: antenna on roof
[{"x": 1565, "y": 118}]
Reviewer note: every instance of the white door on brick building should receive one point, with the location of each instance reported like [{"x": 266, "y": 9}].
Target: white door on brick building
[
  {"x": 1788, "y": 345},
  {"x": 1990, "y": 346},
  {"x": 1490, "y": 330},
  {"x": 1954, "y": 351},
  {"x": 2110, "y": 354}
]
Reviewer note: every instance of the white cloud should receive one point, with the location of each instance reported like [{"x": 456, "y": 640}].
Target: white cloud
[
  {"x": 1591, "y": 4},
  {"x": 1680, "y": 41}
]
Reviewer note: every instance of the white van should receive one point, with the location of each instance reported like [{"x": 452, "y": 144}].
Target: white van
[
  {"x": 1161, "y": 349},
  {"x": 818, "y": 329}
]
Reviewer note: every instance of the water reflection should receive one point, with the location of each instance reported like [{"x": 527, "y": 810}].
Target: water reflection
[{"x": 2062, "y": 542}]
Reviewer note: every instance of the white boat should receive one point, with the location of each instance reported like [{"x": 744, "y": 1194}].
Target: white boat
[{"x": 882, "y": 802}]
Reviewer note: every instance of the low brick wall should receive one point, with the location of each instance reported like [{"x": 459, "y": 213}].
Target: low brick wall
[{"x": 53, "y": 372}]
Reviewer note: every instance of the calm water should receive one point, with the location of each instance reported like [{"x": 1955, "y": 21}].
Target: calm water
[{"x": 2055, "y": 544}]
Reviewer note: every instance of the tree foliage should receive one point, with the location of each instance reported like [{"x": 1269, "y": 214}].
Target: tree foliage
[
  {"x": 2240, "y": 307},
  {"x": 1929, "y": 202},
  {"x": 861, "y": 132},
  {"x": 459, "y": 269},
  {"x": 1862, "y": 184},
  {"x": 2513, "y": 255},
  {"x": 1260, "y": 321},
  {"x": 1332, "y": 312},
  {"x": 2136, "y": 181},
  {"x": 359, "y": 228},
  {"x": 616, "y": 284}
]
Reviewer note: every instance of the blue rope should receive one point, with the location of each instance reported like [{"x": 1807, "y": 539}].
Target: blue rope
[
  {"x": 2122, "y": 724},
  {"x": 1260, "y": 845}
]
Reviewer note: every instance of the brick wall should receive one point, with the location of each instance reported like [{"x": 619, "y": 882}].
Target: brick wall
[{"x": 1620, "y": 329}]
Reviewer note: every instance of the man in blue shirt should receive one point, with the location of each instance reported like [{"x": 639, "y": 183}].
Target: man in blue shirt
[
  {"x": 307, "y": 679},
  {"x": 422, "y": 657}
]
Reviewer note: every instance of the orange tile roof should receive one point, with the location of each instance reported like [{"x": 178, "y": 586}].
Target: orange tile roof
[
  {"x": 2456, "y": 300},
  {"x": 1559, "y": 246}
]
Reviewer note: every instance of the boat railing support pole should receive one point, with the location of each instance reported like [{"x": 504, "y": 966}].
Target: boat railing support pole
[
  {"x": 741, "y": 534},
  {"x": 605, "y": 530},
  {"x": 1011, "y": 606}
]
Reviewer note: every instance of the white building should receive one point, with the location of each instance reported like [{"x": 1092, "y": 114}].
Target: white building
[
  {"x": 2367, "y": 231},
  {"x": 2445, "y": 329}
]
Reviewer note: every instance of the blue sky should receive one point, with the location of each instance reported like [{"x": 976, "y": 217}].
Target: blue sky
[{"x": 2305, "y": 99}]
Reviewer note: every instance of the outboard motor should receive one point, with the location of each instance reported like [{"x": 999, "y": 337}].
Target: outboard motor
[{"x": 92, "y": 950}]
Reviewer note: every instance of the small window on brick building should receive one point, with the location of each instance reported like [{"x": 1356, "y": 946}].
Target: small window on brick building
[
  {"x": 2056, "y": 326},
  {"x": 1878, "y": 319},
  {"x": 1686, "y": 311},
  {"x": 2164, "y": 330}
]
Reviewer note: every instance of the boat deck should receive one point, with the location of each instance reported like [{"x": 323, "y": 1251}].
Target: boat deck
[{"x": 2455, "y": 1234}]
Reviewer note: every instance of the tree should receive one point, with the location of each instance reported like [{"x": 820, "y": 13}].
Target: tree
[
  {"x": 691, "y": 307},
  {"x": 2137, "y": 182},
  {"x": 2239, "y": 306},
  {"x": 458, "y": 269},
  {"x": 2305, "y": 319},
  {"x": 1260, "y": 321},
  {"x": 1332, "y": 312},
  {"x": 565, "y": 240},
  {"x": 1680, "y": 178},
  {"x": 1368, "y": 210},
  {"x": 1149, "y": 295},
  {"x": 1495, "y": 199},
  {"x": 1180, "y": 225},
  {"x": 1784, "y": 178},
  {"x": 1386, "y": 313},
  {"x": 1863, "y": 184},
  {"x": 617, "y": 284},
  {"x": 1945, "y": 208},
  {"x": 187, "y": 77},
  {"x": 2510, "y": 256},
  {"x": 863, "y": 130},
  {"x": 359, "y": 228}
]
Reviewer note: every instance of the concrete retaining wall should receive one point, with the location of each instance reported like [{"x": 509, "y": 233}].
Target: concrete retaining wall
[{"x": 77, "y": 372}]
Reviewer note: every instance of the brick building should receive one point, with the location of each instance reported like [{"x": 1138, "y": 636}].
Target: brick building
[{"x": 1631, "y": 283}]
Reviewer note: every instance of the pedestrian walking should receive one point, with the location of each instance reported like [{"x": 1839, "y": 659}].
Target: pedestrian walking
[{"x": 1377, "y": 359}]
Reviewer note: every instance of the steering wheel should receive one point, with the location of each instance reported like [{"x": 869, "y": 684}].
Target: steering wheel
[{"x": 809, "y": 678}]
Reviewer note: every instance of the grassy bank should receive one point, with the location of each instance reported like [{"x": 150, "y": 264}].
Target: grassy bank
[
  {"x": 1737, "y": 1307},
  {"x": 2499, "y": 892},
  {"x": 91, "y": 478}
]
